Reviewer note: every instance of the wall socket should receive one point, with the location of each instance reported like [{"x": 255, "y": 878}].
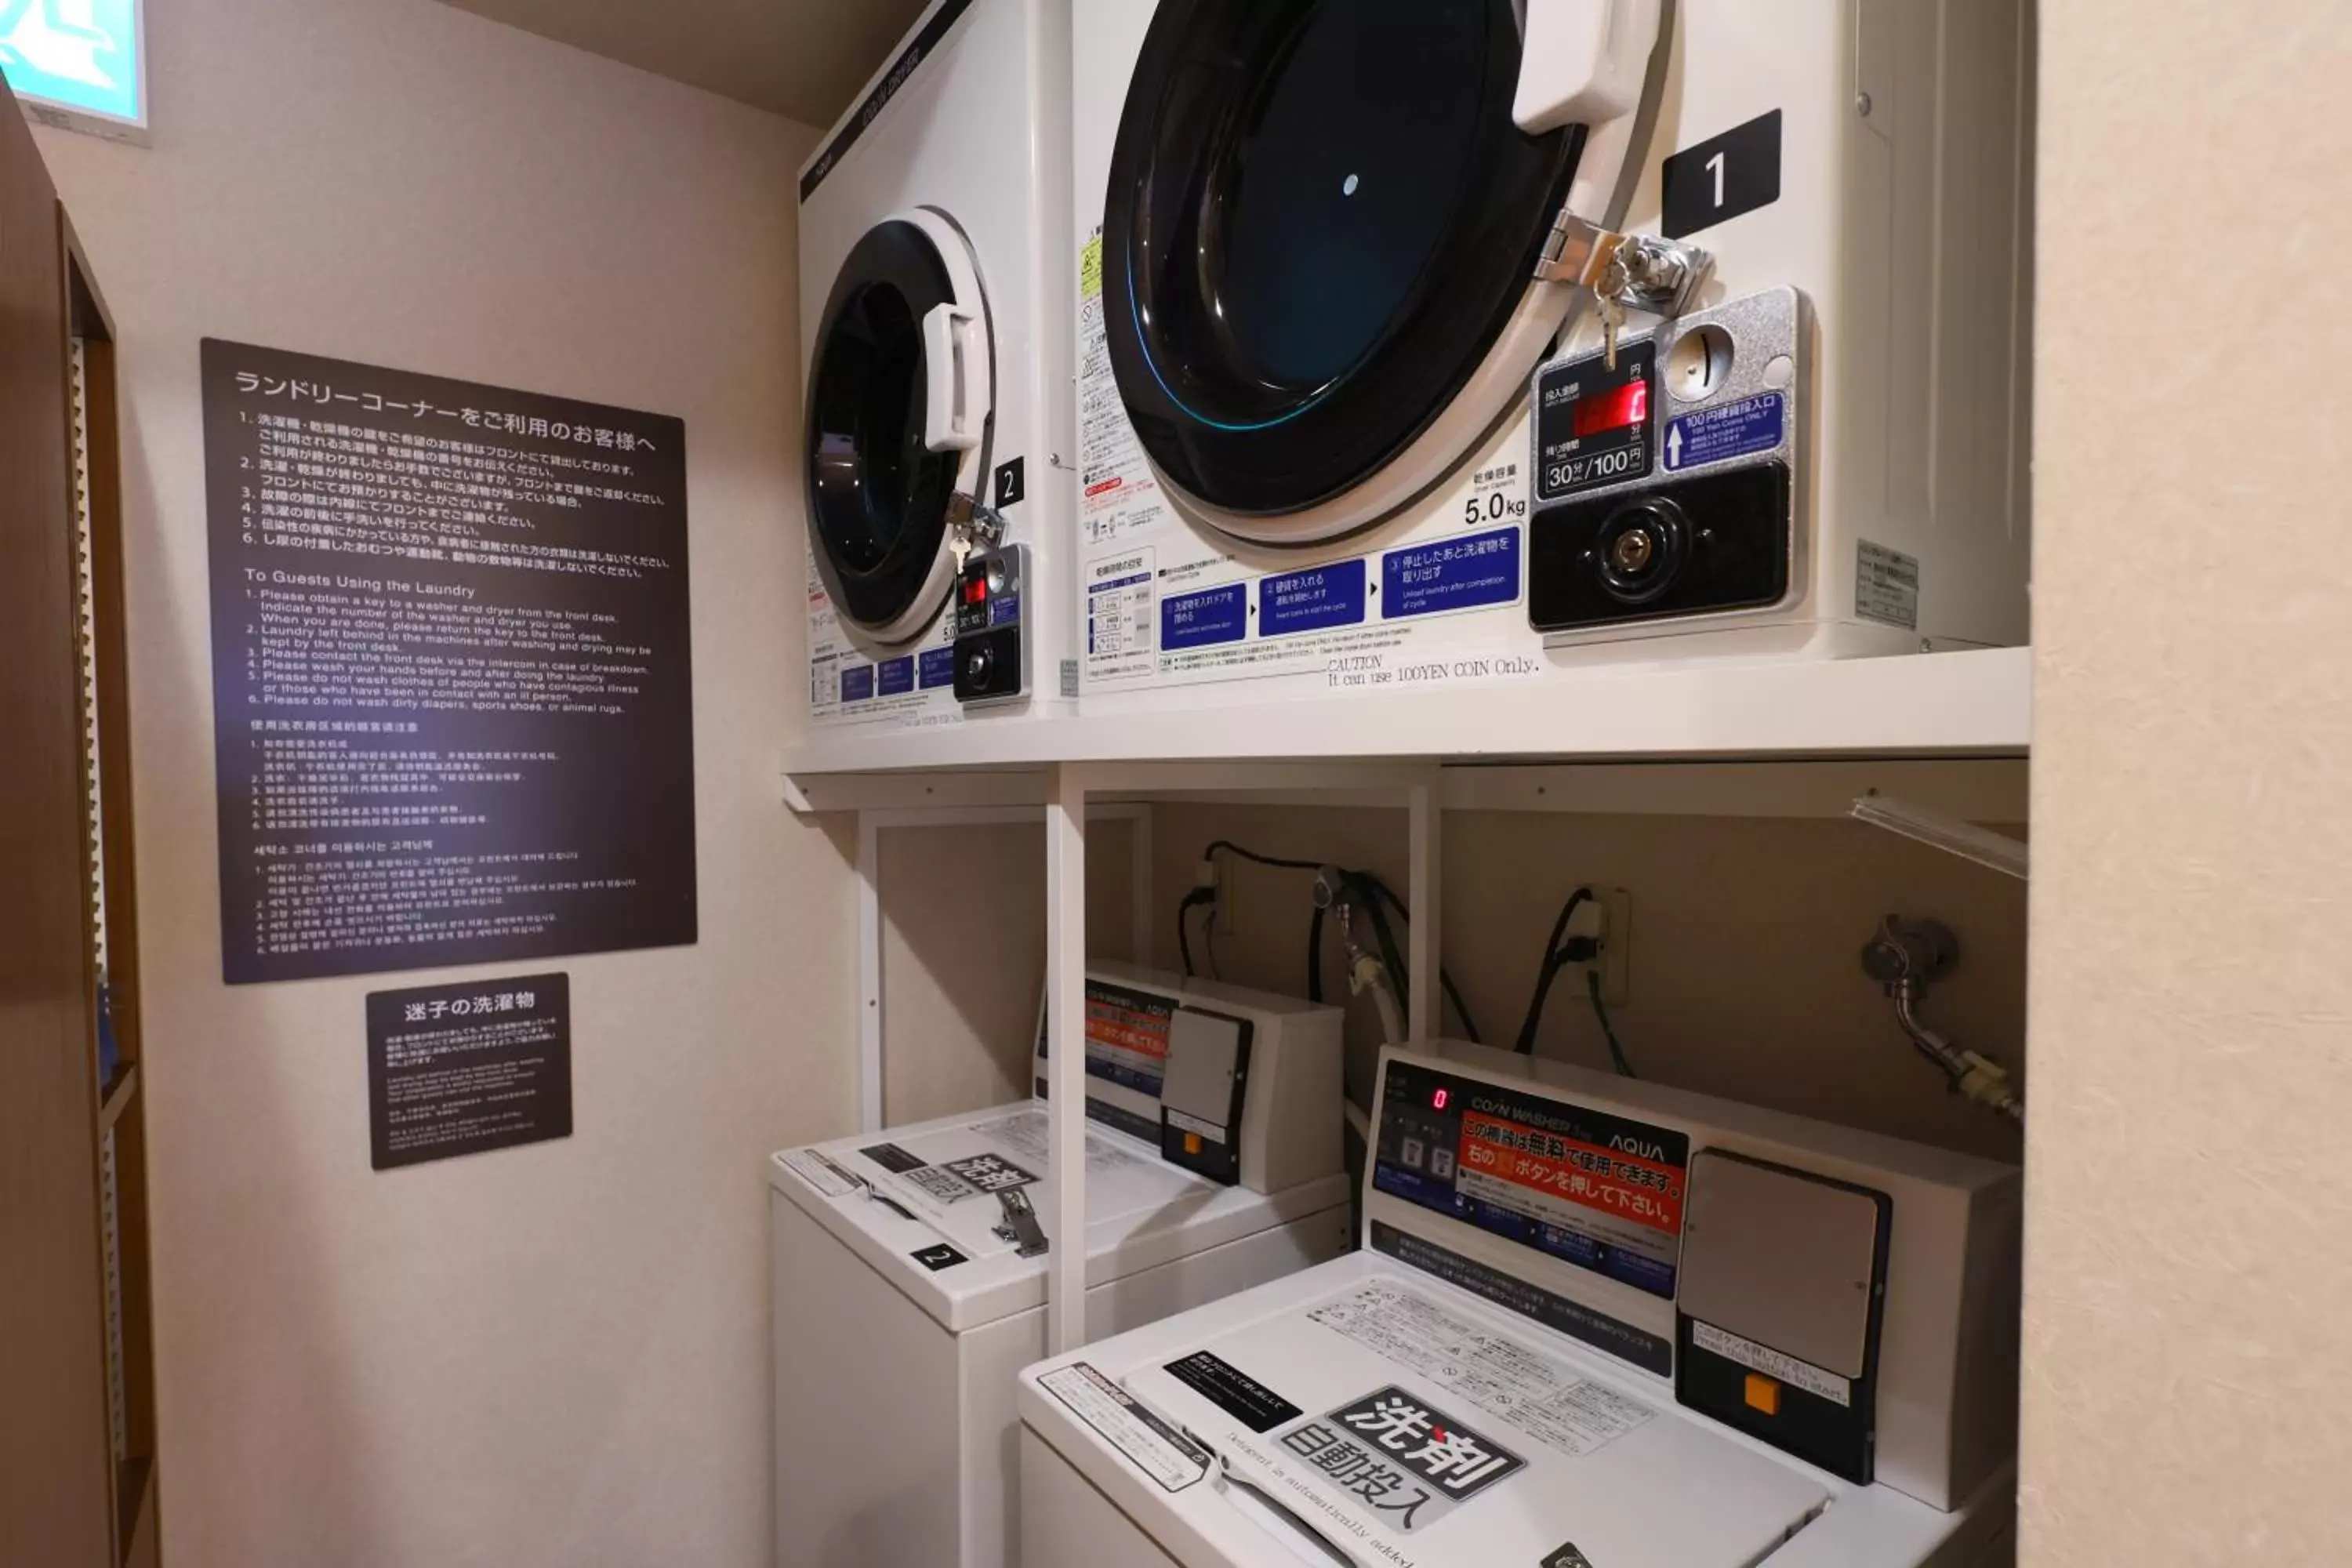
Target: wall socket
[{"x": 1610, "y": 916}]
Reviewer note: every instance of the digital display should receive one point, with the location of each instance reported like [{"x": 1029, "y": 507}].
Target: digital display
[
  {"x": 1618, "y": 409},
  {"x": 975, "y": 591},
  {"x": 1437, "y": 1100}
]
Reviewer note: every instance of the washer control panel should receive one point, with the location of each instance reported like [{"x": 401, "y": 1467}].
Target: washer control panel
[
  {"x": 1665, "y": 482},
  {"x": 992, "y": 656}
]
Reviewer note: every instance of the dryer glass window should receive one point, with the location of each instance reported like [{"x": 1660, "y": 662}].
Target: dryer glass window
[
  {"x": 1320, "y": 217},
  {"x": 878, "y": 495}
]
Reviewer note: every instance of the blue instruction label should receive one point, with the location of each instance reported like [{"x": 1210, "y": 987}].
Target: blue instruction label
[
  {"x": 857, "y": 682},
  {"x": 1004, "y": 610},
  {"x": 1199, "y": 620},
  {"x": 898, "y": 676},
  {"x": 936, "y": 667},
  {"x": 1734, "y": 430},
  {"x": 1451, "y": 574},
  {"x": 1308, "y": 601}
]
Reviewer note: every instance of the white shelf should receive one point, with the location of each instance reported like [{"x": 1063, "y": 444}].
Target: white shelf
[{"x": 1975, "y": 704}]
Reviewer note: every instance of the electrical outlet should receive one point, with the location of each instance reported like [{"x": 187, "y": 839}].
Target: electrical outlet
[{"x": 1608, "y": 917}]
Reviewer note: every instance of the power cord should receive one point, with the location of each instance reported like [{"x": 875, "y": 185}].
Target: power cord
[
  {"x": 1561, "y": 950},
  {"x": 1185, "y": 907},
  {"x": 1608, "y": 1030},
  {"x": 1372, "y": 895}
]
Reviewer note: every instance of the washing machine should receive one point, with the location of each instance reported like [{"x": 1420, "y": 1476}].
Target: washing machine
[
  {"x": 909, "y": 1267},
  {"x": 1595, "y": 1323},
  {"x": 935, "y": 324},
  {"x": 1393, "y": 315}
]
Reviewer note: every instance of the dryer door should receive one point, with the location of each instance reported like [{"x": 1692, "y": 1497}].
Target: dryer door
[
  {"x": 899, "y": 415},
  {"x": 1322, "y": 231}
]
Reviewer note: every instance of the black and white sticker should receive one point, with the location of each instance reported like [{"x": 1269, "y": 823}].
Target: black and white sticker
[
  {"x": 942, "y": 1184},
  {"x": 1407, "y": 1462},
  {"x": 1885, "y": 585},
  {"x": 1722, "y": 177},
  {"x": 1773, "y": 1363},
  {"x": 891, "y": 1158},
  {"x": 1232, "y": 1391},
  {"x": 938, "y": 1257},
  {"x": 990, "y": 1172},
  {"x": 1148, "y": 1443}
]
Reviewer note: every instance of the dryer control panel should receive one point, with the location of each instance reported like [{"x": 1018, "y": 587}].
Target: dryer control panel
[
  {"x": 1666, "y": 481},
  {"x": 992, "y": 656}
]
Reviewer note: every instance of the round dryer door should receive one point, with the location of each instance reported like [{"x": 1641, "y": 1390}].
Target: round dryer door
[
  {"x": 1319, "y": 246},
  {"x": 899, "y": 422}
]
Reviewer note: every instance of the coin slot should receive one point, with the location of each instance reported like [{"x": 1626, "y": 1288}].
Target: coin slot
[{"x": 1699, "y": 363}]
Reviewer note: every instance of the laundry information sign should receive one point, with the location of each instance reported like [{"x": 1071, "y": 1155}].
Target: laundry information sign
[
  {"x": 452, "y": 701},
  {"x": 459, "y": 1069}
]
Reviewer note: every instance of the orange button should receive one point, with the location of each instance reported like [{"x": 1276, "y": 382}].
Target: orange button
[
  {"x": 1763, "y": 1394},
  {"x": 1192, "y": 1142}
]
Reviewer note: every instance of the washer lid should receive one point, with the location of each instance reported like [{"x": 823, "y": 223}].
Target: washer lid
[
  {"x": 1320, "y": 235},
  {"x": 896, "y": 1198},
  {"x": 900, "y": 406},
  {"x": 1402, "y": 1423}
]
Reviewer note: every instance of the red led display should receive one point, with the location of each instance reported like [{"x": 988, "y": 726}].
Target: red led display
[
  {"x": 1437, "y": 1101},
  {"x": 975, "y": 591},
  {"x": 1613, "y": 410}
]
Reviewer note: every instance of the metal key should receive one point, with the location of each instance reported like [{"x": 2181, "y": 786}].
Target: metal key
[{"x": 1613, "y": 321}]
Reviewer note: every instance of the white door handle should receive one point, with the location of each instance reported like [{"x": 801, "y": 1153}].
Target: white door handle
[
  {"x": 1584, "y": 62},
  {"x": 955, "y": 380}
]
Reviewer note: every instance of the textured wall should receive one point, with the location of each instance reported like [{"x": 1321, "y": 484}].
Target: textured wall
[
  {"x": 2189, "y": 1262},
  {"x": 555, "y": 1354}
]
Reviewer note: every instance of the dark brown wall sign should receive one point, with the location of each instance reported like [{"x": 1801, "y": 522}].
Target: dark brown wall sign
[{"x": 452, "y": 688}]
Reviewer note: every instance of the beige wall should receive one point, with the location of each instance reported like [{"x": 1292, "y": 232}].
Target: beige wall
[
  {"x": 1746, "y": 937},
  {"x": 2188, "y": 1255},
  {"x": 962, "y": 975},
  {"x": 549, "y": 1355}
]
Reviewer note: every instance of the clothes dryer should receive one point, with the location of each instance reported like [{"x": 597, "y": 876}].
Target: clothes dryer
[
  {"x": 935, "y": 321},
  {"x": 1325, "y": 247}
]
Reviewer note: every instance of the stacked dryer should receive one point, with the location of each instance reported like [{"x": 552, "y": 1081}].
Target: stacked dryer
[
  {"x": 935, "y": 321},
  {"x": 1325, "y": 249}
]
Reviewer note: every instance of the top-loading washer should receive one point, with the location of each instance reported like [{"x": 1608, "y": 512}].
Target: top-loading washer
[
  {"x": 1325, "y": 247},
  {"x": 1595, "y": 1322},
  {"x": 935, "y": 323}
]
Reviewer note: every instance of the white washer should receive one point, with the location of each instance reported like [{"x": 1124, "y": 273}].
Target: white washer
[
  {"x": 935, "y": 317},
  {"x": 1631, "y": 1328},
  {"x": 901, "y": 1315},
  {"x": 1314, "y": 287}
]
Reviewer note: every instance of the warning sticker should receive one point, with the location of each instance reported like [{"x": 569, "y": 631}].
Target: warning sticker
[
  {"x": 1796, "y": 1373},
  {"x": 941, "y": 1184},
  {"x": 1028, "y": 1132},
  {"x": 1116, "y": 493},
  {"x": 1127, "y": 1035},
  {"x": 1514, "y": 1383},
  {"x": 1603, "y": 1192},
  {"x": 817, "y": 1171},
  {"x": 1151, "y": 1444},
  {"x": 1885, "y": 585}
]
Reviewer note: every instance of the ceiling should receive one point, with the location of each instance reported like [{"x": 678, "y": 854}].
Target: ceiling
[{"x": 801, "y": 59}]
